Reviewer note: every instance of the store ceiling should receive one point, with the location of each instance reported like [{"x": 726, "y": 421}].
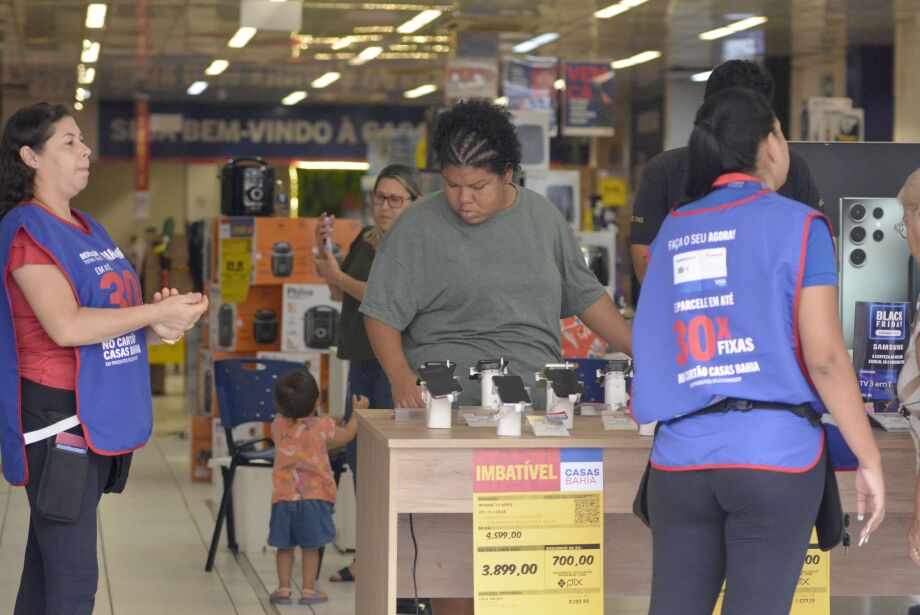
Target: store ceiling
[{"x": 162, "y": 46}]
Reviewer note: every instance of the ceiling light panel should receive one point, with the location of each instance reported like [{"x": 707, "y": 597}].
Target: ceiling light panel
[
  {"x": 95, "y": 15},
  {"x": 537, "y": 41},
  {"x": 326, "y": 80},
  {"x": 197, "y": 88},
  {"x": 618, "y": 8},
  {"x": 367, "y": 54},
  {"x": 422, "y": 90},
  {"x": 732, "y": 28},
  {"x": 293, "y": 98},
  {"x": 90, "y": 51},
  {"x": 639, "y": 58},
  {"x": 216, "y": 67},
  {"x": 242, "y": 37},
  {"x": 419, "y": 21}
]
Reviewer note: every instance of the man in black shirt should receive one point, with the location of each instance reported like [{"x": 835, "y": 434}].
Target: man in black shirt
[{"x": 661, "y": 188}]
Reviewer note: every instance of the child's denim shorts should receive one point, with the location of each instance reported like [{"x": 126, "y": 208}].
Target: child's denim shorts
[{"x": 303, "y": 523}]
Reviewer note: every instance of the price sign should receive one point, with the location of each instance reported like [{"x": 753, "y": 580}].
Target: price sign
[
  {"x": 813, "y": 594},
  {"x": 538, "y": 531},
  {"x": 235, "y": 269}
]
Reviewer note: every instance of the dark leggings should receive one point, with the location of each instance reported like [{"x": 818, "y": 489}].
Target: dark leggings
[
  {"x": 365, "y": 378},
  {"x": 750, "y": 528},
  {"x": 60, "y": 573}
]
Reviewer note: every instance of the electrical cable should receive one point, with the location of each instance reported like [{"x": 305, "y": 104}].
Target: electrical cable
[{"x": 414, "y": 562}]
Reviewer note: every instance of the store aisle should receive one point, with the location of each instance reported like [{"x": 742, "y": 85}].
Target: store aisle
[{"x": 154, "y": 538}]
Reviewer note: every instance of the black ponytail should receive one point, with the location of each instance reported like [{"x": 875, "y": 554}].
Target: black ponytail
[
  {"x": 726, "y": 136},
  {"x": 31, "y": 126}
]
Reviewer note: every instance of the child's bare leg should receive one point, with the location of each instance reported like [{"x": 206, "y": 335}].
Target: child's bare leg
[
  {"x": 310, "y": 565},
  {"x": 284, "y": 561}
]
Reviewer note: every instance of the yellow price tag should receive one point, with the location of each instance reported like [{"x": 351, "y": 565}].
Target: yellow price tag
[
  {"x": 235, "y": 269},
  {"x": 613, "y": 191},
  {"x": 813, "y": 594},
  {"x": 539, "y": 552}
]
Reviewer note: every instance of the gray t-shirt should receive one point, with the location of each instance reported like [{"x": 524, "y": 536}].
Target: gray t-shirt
[{"x": 468, "y": 292}]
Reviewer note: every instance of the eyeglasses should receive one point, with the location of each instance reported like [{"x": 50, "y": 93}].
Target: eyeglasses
[
  {"x": 901, "y": 227},
  {"x": 395, "y": 201}
]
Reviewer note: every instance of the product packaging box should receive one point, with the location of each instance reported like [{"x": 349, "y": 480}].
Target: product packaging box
[
  {"x": 201, "y": 448},
  {"x": 310, "y": 318},
  {"x": 270, "y": 251},
  {"x": 249, "y": 326},
  {"x": 282, "y": 251}
]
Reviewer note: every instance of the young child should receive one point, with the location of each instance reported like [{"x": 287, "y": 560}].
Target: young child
[{"x": 304, "y": 490}]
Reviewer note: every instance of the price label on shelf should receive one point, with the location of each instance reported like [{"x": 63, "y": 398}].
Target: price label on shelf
[
  {"x": 538, "y": 531},
  {"x": 235, "y": 269}
]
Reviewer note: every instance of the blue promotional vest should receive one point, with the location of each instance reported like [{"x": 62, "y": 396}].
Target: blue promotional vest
[
  {"x": 113, "y": 378},
  {"x": 716, "y": 319}
]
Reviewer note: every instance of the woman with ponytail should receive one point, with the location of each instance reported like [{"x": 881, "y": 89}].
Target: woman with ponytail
[{"x": 738, "y": 355}]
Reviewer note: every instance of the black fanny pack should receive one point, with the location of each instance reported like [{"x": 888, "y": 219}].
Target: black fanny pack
[{"x": 830, "y": 524}]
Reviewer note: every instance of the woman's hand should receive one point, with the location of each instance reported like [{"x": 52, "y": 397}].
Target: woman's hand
[
  {"x": 324, "y": 229},
  {"x": 360, "y": 402},
  {"x": 870, "y": 497},
  {"x": 406, "y": 391},
  {"x": 326, "y": 265},
  {"x": 162, "y": 331},
  {"x": 178, "y": 313}
]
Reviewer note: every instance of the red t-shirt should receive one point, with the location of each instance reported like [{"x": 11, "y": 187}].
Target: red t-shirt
[{"x": 40, "y": 359}]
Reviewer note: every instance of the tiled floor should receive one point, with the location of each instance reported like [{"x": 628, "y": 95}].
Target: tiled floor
[{"x": 154, "y": 538}]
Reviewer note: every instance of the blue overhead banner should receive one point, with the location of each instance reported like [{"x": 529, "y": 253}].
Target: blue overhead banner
[{"x": 302, "y": 132}]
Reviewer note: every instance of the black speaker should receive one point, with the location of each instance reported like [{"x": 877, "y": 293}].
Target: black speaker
[
  {"x": 265, "y": 326},
  {"x": 247, "y": 188},
  {"x": 225, "y": 326},
  {"x": 282, "y": 259},
  {"x": 319, "y": 326}
]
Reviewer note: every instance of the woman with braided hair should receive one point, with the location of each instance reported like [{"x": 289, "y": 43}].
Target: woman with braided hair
[{"x": 483, "y": 268}]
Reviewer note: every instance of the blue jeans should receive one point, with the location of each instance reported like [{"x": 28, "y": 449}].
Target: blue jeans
[{"x": 365, "y": 378}]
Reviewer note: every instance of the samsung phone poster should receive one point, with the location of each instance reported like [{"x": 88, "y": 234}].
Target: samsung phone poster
[{"x": 879, "y": 340}]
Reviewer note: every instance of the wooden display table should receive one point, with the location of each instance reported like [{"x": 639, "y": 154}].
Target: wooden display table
[{"x": 407, "y": 468}]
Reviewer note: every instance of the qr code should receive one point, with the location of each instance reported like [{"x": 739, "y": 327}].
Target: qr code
[{"x": 587, "y": 510}]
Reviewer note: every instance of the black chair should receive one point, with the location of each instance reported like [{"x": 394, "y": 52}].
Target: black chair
[{"x": 244, "y": 395}]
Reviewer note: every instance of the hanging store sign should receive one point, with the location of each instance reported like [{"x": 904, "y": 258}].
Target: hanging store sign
[
  {"x": 529, "y": 85},
  {"x": 538, "y": 531},
  {"x": 471, "y": 78},
  {"x": 304, "y": 132},
  {"x": 880, "y": 333},
  {"x": 588, "y": 108}
]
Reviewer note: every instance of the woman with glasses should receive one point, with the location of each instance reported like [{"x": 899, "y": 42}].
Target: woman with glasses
[
  {"x": 397, "y": 187},
  {"x": 909, "y": 378}
]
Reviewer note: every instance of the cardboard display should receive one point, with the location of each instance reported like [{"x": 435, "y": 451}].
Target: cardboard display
[
  {"x": 310, "y": 318},
  {"x": 282, "y": 251},
  {"x": 246, "y": 327}
]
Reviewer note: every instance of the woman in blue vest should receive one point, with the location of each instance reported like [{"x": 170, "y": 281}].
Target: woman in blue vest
[
  {"x": 738, "y": 319},
  {"x": 74, "y": 378}
]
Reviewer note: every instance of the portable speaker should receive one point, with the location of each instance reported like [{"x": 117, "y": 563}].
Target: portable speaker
[
  {"x": 319, "y": 326},
  {"x": 282, "y": 259},
  {"x": 225, "y": 326},
  {"x": 247, "y": 188},
  {"x": 265, "y": 326}
]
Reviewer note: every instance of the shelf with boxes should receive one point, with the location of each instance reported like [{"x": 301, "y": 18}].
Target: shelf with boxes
[{"x": 266, "y": 302}]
